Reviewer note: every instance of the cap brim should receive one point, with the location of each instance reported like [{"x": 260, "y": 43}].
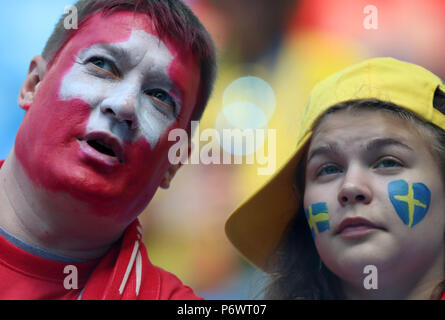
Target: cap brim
[{"x": 256, "y": 227}]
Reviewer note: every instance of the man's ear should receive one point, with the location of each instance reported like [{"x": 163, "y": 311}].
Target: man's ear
[
  {"x": 37, "y": 69},
  {"x": 165, "y": 183}
]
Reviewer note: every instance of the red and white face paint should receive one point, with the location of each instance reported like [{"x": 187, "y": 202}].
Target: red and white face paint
[{"x": 98, "y": 126}]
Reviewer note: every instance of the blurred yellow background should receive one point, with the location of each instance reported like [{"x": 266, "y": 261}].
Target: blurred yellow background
[{"x": 291, "y": 45}]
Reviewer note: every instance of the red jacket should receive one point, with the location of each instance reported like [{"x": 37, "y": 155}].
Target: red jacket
[{"x": 125, "y": 272}]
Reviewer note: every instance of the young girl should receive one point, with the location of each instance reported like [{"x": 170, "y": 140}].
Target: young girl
[{"x": 357, "y": 212}]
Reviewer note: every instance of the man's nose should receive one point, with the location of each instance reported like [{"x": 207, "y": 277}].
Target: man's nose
[
  {"x": 355, "y": 187},
  {"x": 122, "y": 106}
]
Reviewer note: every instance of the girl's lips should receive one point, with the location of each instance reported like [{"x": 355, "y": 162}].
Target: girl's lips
[
  {"x": 356, "y": 232},
  {"x": 356, "y": 227}
]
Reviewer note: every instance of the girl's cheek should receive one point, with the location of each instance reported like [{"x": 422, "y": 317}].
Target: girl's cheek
[
  {"x": 411, "y": 201},
  {"x": 317, "y": 217}
]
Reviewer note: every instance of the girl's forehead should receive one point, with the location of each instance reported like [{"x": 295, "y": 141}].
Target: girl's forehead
[{"x": 347, "y": 127}]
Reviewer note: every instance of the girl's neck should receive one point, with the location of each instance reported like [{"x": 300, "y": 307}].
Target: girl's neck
[{"x": 395, "y": 285}]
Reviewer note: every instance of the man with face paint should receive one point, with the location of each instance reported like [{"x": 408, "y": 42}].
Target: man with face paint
[
  {"x": 92, "y": 150},
  {"x": 357, "y": 212}
]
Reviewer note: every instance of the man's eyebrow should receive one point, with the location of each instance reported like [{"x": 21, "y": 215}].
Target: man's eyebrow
[
  {"x": 115, "y": 50},
  {"x": 324, "y": 149},
  {"x": 385, "y": 142}
]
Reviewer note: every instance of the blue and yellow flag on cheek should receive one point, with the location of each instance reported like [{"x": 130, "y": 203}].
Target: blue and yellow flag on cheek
[
  {"x": 317, "y": 217},
  {"x": 410, "y": 201}
]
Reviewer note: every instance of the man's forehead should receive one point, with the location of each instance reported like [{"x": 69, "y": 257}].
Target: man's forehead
[
  {"x": 132, "y": 51},
  {"x": 113, "y": 28},
  {"x": 117, "y": 23}
]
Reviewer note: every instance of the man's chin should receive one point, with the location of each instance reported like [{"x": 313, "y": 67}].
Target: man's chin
[
  {"x": 121, "y": 190},
  {"x": 111, "y": 195},
  {"x": 89, "y": 184}
]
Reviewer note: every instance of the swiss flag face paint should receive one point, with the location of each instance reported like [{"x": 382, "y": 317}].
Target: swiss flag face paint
[{"x": 98, "y": 126}]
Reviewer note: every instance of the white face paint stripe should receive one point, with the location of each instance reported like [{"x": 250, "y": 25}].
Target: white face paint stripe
[
  {"x": 138, "y": 272},
  {"x": 129, "y": 267},
  {"x": 145, "y": 66}
]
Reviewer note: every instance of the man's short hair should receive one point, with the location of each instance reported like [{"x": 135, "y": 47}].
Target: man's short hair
[{"x": 170, "y": 18}]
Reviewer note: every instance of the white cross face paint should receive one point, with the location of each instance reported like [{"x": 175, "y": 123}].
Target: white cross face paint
[{"x": 119, "y": 100}]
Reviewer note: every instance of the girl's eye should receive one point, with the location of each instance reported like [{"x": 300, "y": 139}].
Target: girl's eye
[
  {"x": 388, "y": 163},
  {"x": 102, "y": 63},
  {"x": 328, "y": 169},
  {"x": 163, "y": 99}
]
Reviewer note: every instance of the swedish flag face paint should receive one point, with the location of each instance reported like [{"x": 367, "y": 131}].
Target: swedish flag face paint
[
  {"x": 317, "y": 217},
  {"x": 411, "y": 201}
]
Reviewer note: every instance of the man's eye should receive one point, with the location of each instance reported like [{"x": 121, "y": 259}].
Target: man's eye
[
  {"x": 388, "y": 163},
  {"x": 328, "y": 169},
  {"x": 163, "y": 99},
  {"x": 102, "y": 64}
]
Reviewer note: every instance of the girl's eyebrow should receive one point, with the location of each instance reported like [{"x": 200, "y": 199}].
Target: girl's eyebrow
[
  {"x": 374, "y": 144},
  {"x": 379, "y": 143},
  {"x": 324, "y": 149}
]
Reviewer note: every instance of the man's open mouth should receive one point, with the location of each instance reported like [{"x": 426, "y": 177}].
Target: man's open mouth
[
  {"x": 105, "y": 143},
  {"x": 101, "y": 147}
]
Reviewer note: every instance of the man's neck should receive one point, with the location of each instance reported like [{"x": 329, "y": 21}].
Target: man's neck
[{"x": 54, "y": 222}]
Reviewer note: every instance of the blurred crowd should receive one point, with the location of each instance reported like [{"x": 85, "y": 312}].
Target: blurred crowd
[{"x": 290, "y": 45}]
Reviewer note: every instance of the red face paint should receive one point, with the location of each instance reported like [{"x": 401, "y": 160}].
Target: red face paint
[{"x": 47, "y": 144}]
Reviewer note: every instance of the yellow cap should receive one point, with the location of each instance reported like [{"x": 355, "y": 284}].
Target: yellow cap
[{"x": 256, "y": 227}]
